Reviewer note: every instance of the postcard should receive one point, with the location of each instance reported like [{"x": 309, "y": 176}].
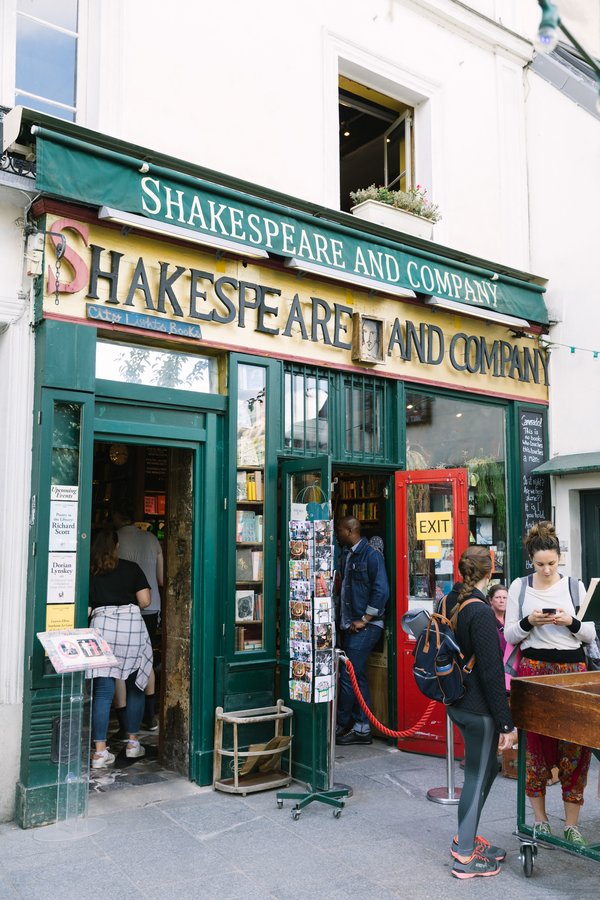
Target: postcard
[
  {"x": 300, "y": 631},
  {"x": 301, "y": 650},
  {"x": 323, "y": 532},
  {"x": 301, "y": 671},
  {"x": 324, "y": 689},
  {"x": 299, "y": 569},
  {"x": 300, "y": 590},
  {"x": 301, "y": 609},
  {"x": 324, "y": 664},
  {"x": 301, "y": 691},
  {"x": 324, "y": 637},
  {"x": 323, "y": 611},
  {"x": 323, "y": 585}
]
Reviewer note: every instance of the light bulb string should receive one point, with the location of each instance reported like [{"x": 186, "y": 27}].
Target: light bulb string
[{"x": 551, "y": 345}]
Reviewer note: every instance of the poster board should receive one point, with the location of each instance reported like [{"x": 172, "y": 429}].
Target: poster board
[{"x": 77, "y": 650}]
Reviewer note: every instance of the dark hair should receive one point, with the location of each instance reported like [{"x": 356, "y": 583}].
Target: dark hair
[
  {"x": 104, "y": 555},
  {"x": 124, "y": 509},
  {"x": 474, "y": 564},
  {"x": 494, "y": 590},
  {"x": 542, "y": 537}
]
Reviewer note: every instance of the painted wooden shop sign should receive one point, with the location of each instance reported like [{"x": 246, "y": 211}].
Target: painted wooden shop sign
[{"x": 130, "y": 282}]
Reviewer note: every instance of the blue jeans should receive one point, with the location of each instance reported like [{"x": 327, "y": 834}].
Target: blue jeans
[
  {"x": 357, "y": 646},
  {"x": 104, "y": 691}
]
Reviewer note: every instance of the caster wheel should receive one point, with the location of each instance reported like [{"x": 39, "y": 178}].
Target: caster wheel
[
  {"x": 527, "y": 859},
  {"x": 337, "y": 813},
  {"x": 295, "y": 814},
  {"x": 280, "y": 804}
]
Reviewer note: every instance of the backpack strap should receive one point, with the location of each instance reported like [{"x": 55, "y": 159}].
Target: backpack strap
[
  {"x": 574, "y": 592},
  {"x": 468, "y": 667},
  {"x": 527, "y": 580}
]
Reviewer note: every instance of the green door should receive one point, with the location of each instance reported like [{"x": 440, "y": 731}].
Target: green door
[{"x": 303, "y": 480}]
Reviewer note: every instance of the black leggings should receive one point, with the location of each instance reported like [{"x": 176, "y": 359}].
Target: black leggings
[{"x": 480, "y": 738}]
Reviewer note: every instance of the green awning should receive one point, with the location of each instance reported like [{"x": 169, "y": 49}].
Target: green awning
[
  {"x": 570, "y": 464},
  {"x": 73, "y": 168}
]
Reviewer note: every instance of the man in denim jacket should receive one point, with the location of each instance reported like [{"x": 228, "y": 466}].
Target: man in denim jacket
[{"x": 363, "y": 598}]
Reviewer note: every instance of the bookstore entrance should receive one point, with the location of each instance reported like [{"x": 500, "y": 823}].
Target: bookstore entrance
[
  {"x": 367, "y": 495},
  {"x": 150, "y": 487}
]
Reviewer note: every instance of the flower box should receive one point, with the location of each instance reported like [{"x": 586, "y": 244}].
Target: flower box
[{"x": 392, "y": 217}]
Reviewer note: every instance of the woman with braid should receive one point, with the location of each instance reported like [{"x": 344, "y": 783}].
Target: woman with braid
[
  {"x": 542, "y": 619},
  {"x": 482, "y": 715}
]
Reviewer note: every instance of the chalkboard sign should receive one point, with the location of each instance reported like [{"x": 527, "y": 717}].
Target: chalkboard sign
[{"x": 535, "y": 494}]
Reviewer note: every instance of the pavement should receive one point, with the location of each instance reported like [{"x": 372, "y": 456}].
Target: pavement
[{"x": 164, "y": 837}]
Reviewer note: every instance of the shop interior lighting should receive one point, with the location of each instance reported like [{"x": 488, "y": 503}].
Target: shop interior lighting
[
  {"x": 131, "y": 220},
  {"x": 369, "y": 284},
  {"x": 547, "y": 38},
  {"x": 480, "y": 312}
]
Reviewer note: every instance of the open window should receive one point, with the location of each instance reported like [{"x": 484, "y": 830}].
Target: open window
[{"x": 376, "y": 140}]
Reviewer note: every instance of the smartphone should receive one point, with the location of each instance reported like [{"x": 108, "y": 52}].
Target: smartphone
[{"x": 549, "y": 612}]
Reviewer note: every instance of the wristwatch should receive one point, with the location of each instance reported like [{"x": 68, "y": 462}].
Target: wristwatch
[{"x": 366, "y": 621}]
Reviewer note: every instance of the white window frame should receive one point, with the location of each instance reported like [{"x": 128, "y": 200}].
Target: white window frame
[
  {"x": 417, "y": 91},
  {"x": 8, "y": 51},
  {"x": 406, "y": 173}
]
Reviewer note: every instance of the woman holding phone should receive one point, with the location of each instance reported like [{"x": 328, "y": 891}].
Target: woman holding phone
[{"x": 550, "y": 637}]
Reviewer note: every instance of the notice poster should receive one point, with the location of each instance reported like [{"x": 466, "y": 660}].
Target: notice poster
[
  {"x": 61, "y": 577},
  {"x": 60, "y": 616},
  {"x": 77, "y": 649},
  {"x": 63, "y": 525}
]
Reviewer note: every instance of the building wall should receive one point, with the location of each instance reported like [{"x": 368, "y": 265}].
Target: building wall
[
  {"x": 232, "y": 91},
  {"x": 16, "y": 396},
  {"x": 564, "y": 147}
]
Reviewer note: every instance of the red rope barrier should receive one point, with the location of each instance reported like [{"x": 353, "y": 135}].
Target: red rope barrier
[{"x": 383, "y": 728}]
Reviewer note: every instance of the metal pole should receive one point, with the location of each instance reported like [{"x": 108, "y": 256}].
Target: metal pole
[
  {"x": 333, "y": 726},
  {"x": 447, "y": 795}
]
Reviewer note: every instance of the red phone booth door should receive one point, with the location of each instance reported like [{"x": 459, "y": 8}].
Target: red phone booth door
[{"x": 432, "y": 531}]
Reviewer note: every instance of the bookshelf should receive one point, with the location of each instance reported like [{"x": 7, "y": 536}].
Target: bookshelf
[
  {"x": 249, "y": 510},
  {"x": 362, "y": 496}
]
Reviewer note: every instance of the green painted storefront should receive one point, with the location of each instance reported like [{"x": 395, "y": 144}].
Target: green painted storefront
[{"x": 74, "y": 409}]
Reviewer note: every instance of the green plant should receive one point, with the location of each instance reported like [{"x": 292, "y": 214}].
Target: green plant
[
  {"x": 414, "y": 200},
  {"x": 486, "y": 475}
]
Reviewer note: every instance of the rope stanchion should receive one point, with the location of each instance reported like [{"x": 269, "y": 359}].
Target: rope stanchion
[{"x": 383, "y": 728}]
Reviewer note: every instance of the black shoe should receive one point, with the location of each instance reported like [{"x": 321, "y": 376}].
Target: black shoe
[{"x": 354, "y": 737}]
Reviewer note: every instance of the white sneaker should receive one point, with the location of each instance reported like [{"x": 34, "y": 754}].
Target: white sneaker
[
  {"x": 102, "y": 760},
  {"x": 134, "y": 749}
]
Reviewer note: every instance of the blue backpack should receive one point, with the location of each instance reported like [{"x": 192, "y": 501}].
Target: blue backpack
[{"x": 439, "y": 666}]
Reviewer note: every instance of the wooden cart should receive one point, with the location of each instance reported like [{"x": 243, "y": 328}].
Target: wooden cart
[
  {"x": 566, "y": 707},
  {"x": 258, "y": 768}
]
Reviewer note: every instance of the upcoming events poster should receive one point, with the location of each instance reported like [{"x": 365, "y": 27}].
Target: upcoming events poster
[{"x": 311, "y": 628}]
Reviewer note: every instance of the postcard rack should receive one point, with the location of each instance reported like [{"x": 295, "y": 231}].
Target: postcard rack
[{"x": 259, "y": 768}]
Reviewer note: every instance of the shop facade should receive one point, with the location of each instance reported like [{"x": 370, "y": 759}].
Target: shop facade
[{"x": 211, "y": 352}]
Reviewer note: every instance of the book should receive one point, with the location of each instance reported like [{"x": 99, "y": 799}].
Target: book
[
  {"x": 245, "y": 527},
  {"x": 241, "y": 488},
  {"x": 244, "y": 606},
  {"x": 243, "y": 564},
  {"x": 589, "y": 610},
  {"x": 251, "y": 485},
  {"x": 258, "y": 482},
  {"x": 257, "y": 565}
]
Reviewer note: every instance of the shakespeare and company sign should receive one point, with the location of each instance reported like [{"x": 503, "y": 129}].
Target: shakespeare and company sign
[{"x": 119, "y": 282}]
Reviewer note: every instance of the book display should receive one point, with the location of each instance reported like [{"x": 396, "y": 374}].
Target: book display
[{"x": 249, "y": 512}]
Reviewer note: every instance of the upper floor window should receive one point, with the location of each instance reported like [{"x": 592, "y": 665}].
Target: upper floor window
[
  {"x": 46, "y": 56},
  {"x": 376, "y": 140}
]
